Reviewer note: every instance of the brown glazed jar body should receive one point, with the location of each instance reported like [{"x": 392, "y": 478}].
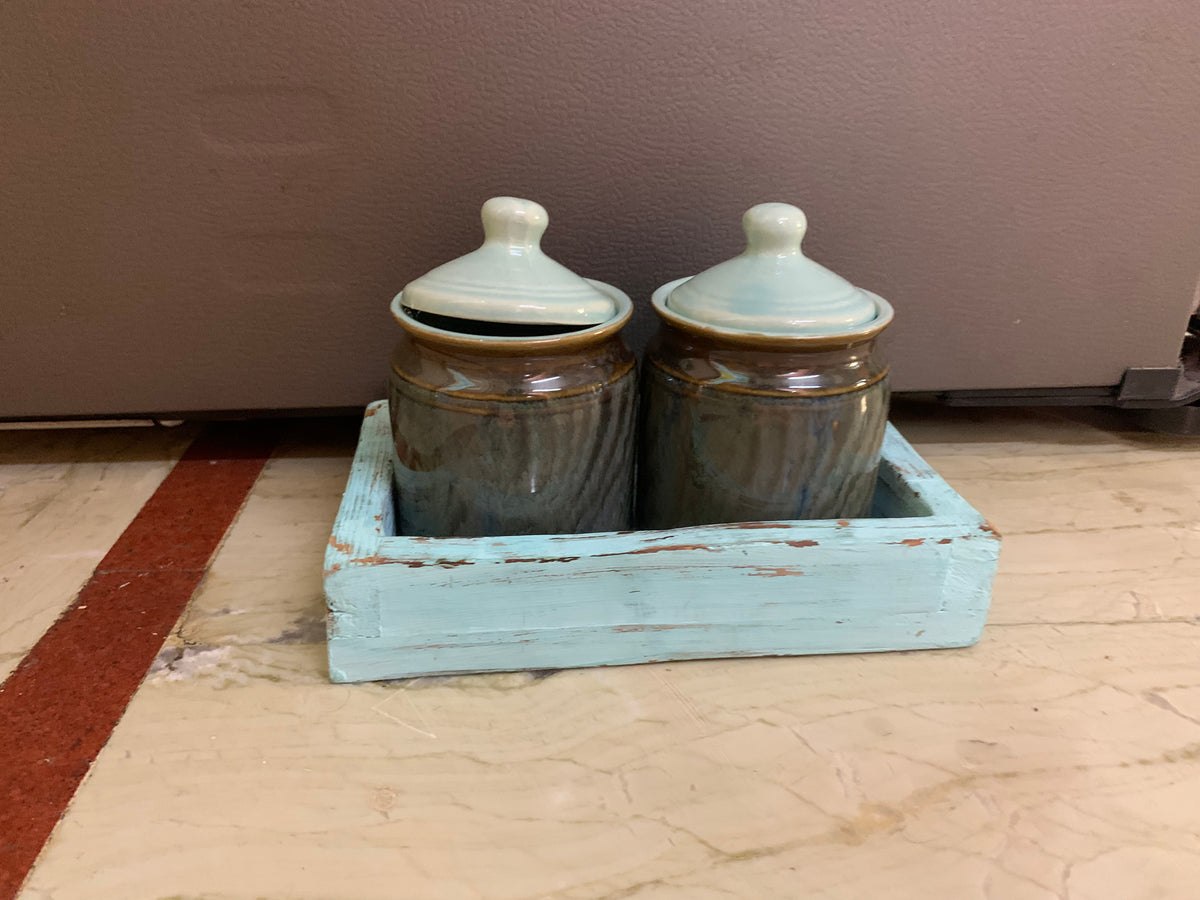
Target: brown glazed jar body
[
  {"x": 763, "y": 429},
  {"x": 517, "y": 437}
]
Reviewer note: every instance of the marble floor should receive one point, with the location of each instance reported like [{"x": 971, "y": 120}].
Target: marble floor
[{"x": 1058, "y": 758}]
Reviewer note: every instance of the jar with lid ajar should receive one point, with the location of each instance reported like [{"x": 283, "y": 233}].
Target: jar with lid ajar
[{"x": 512, "y": 395}]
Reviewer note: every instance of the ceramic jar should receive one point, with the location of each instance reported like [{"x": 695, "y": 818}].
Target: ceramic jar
[
  {"x": 512, "y": 395},
  {"x": 765, "y": 395}
]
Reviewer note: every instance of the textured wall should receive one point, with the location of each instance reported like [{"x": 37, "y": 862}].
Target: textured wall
[{"x": 209, "y": 205}]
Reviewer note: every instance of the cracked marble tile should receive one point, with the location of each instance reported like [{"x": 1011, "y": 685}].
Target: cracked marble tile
[
  {"x": 65, "y": 497},
  {"x": 1126, "y": 575},
  {"x": 1008, "y": 770},
  {"x": 265, "y": 584},
  {"x": 1107, "y": 535}
]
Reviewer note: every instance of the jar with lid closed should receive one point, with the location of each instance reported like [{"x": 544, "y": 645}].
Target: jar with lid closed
[{"x": 765, "y": 393}]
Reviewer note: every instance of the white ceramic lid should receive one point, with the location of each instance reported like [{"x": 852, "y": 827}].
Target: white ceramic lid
[
  {"x": 773, "y": 288},
  {"x": 509, "y": 279}
]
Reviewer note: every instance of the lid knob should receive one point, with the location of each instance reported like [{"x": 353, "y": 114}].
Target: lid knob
[
  {"x": 774, "y": 229},
  {"x": 517, "y": 223}
]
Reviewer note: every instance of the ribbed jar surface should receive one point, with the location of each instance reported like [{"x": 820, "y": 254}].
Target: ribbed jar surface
[
  {"x": 744, "y": 434},
  {"x": 495, "y": 445}
]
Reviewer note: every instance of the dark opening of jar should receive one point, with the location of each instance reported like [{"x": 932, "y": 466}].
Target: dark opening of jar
[{"x": 490, "y": 329}]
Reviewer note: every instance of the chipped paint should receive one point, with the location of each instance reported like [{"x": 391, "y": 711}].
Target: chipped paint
[
  {"x": 803, "y": 543},
  {"x": 541, "y": 559},
  {"x": 909, "y": 542},
  {"x": 665, "y": 548},
  {"x": 377, "y": 560}
]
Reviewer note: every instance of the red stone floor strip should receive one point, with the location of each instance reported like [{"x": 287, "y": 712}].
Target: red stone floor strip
[{"x": 60, "y": 705}]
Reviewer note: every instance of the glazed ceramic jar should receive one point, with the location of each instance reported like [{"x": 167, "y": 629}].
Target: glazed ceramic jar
[
  {"x": 512, "y": 396},
  {"x": 765, "y": 394}
]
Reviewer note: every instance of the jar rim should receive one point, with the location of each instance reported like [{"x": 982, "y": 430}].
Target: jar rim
[{"x": 500, "y": 345}]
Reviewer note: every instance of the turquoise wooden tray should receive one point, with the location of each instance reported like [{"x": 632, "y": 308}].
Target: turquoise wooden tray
[{"x": 916, "y": 575}]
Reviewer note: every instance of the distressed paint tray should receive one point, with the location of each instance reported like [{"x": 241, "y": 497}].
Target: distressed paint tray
[{"x": 916, "y": 575}]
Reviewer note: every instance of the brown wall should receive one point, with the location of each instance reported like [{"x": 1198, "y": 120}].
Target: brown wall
[{"x": 208, "y": 205}]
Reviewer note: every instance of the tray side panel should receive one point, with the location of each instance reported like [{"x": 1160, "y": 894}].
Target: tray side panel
[
  {"x": 365, "y": 515},
  {"x": 764, "y": 598}
]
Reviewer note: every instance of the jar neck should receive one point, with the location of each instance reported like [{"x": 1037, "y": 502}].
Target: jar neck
[
  {"x": 776, "y": 370},
  {"x": 546, "y": 374}
]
